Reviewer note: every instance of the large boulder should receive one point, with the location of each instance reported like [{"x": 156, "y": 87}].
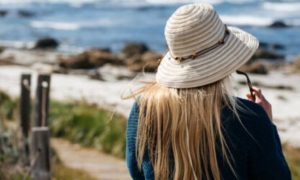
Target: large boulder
[
  {"x": 255, "y": 68},
  {"x": 277, "y": 46},
  {"x": 151, "y": 56},
  {"x": 46, "y": 43},
  {"x": 262, "y": 53},
  {"x": 151, "y": 60},
  {"x": 90, "y": 59},
  {"x": 132, "y": 49},
  {"x": 99, "y": 58},
  {"x": 271, "y": 46},
  {"x": 147, "y": 62},
  {"x": 278, "y": 24},
  {"x": 25, "y": 13},
  {"x": 3, "y": 13},
  {"x": 2, "y": 49},
  {"x": 80, "y": 61}
]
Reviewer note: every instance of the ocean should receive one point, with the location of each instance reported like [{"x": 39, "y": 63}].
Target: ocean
[{"x": 81, "y": 24}]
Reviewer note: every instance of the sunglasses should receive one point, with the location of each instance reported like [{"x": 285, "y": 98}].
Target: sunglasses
[{"x": 248, "y": 83}]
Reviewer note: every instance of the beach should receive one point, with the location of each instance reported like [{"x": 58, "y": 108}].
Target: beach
[
  {"x": 280, "y": 87},
  {"x": 98, "y": 52}
]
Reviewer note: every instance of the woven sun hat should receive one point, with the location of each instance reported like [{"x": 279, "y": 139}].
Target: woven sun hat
[{"x": 202, "y": 49}]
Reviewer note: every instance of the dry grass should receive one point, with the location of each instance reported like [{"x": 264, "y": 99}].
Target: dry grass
[
  {"x": 293, "y": 157},
  {"x": 296, "y": 64},
  {"x": 61, "y": 172}
]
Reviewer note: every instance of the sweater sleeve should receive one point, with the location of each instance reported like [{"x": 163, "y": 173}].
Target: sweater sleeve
[
  {"x": 266, "y": 159},
  {"x": 131, "y": 131}
]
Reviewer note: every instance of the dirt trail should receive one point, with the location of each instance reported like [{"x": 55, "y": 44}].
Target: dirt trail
[{"x": 97, "y": 164}]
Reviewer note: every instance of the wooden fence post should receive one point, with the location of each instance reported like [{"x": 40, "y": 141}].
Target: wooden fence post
[
  {"x": 40, "y": 154},
  {"x": 25, "y": 116},
  {"x": 42, "y": 100}
]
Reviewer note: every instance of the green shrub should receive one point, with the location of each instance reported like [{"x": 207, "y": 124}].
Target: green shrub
[
  {"x": 89, "y": 126},
  {"x": 8, "y": 107}
]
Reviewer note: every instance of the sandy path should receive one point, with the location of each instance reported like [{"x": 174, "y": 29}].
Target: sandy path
[{"x": 97, "y": 164}]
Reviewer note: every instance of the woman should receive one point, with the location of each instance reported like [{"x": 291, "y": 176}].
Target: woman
[{"x": 187, "y": 125}]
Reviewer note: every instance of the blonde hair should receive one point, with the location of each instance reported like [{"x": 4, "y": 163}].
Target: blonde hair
[{"x": 181, "y": 129}]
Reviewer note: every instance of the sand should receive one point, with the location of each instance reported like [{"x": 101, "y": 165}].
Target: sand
[{"x": 285, "y": 102}]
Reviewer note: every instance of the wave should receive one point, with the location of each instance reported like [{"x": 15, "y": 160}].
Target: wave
[
  {"x": 55, "y": 25},
  {"x": 46, "y": 1},
  {"x": 80, "y": 2},
  {"x": 72, "y": 26},
  {"x": 280, "y": 6},
  {"x": 241, "y": 20},
  {"x": 17, "y": 44}
]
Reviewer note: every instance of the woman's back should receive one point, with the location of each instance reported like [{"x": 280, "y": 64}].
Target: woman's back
[
  {"x": 253, "y": 143},
  {"x": 187, "y": 125}
]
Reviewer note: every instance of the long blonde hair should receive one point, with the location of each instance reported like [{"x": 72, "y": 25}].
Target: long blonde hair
[{"x": 181, "y": 130}]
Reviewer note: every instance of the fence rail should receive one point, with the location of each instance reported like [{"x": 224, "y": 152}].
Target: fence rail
[{"x": 36, "y": 150}]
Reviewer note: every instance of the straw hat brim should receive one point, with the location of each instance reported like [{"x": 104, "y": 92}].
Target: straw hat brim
[{"x": 210, "y": 67}]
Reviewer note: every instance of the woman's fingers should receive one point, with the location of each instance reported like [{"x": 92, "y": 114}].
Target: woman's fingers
[
  {"x": 257, "y": 92},
  {"x": 261, "y": 100},
  {"x": 250, "y": 97}
]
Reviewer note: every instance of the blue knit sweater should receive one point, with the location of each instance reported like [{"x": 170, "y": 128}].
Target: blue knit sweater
[{"x": 259, "y": 159}]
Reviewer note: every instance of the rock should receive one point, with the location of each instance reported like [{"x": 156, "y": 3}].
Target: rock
[
  {"x": 255, "y": 68},
  {"x": 7, "y": 60},
  {"x": 46, "y": 43},
  {"x": 80, "y": 61},
  {"x": 2, "y": 49},
  {"x": 99, "y": 58},
  {"x": 134, "y": 60},
  {"x": 95, "y": 75},
  {"x": 101, "y": 49},
  {"x": 3, "y": 13},
  {"x": 147, "y": 62},
  {"x": 151, "y": 56},
  {"x": 278, "y": 24},
  {"x": 132, "y": 49},
  {"x": 264, "y": 45},
  {"x": 25, "y": 13},
  {"x": 90, "y": 59},
  {"x": 277, "y": 46},
  {"x": 151, "y": 60},
  {"x": 271, "y": 46},
  {"x": 136, "y": 67},
  {"x": 262, "y": 53},
  {"x": 135, "y": 63}
]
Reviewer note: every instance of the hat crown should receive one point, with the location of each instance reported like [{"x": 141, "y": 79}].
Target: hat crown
[{"x": 192, "y": 28}]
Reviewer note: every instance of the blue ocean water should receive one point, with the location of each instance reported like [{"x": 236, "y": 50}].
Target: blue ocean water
[{"x": 80, "y": 24}]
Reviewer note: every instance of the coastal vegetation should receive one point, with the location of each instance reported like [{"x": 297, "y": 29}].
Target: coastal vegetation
[
  {"x": 89, "y": 126},
  {"x": 93, "y": 127},
  {"x": 11, "y": 167}
]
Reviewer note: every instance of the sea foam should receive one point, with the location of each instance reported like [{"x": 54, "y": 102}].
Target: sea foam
[
  {"x": 286, "y": 7},
  {"x": 241, "y": 20}
]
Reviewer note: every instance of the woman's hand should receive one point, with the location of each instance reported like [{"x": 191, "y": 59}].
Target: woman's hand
[{"x": 261, "y": 100}]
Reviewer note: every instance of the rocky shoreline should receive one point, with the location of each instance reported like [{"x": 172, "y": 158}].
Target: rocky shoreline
[
  {"x": 102, "y": 77},
  {"x": 103, "y": 64}
]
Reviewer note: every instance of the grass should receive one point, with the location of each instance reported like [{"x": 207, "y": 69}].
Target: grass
[
  {"x": 10, "y": 169},
  {"x": 61, "y": 172},
  {"x": 97, "y": 128},
  {"x": 89, "y": 126},
  {"x": 292, "y": 155}
]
